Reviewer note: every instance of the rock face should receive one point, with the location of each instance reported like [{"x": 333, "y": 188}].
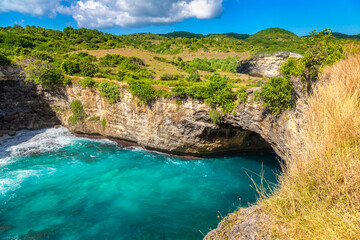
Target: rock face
[
  {"x": 21, "y": 105},
  {"x": 164, "y": 125},
  {"x": 267, "y": 65},
  {"x": 246, "y": 224}
]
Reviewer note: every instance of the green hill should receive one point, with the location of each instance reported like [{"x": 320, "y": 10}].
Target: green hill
[{"x": 274, "y": 34}]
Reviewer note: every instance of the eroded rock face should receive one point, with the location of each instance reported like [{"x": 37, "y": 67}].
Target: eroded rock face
[
  {"x": 164, "y": 125},
  {"x": 267, "y": 65},
  {"x": 21, "y": 105}
]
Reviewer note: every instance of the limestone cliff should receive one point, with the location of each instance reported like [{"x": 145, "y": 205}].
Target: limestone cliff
[{"x": 163, "y": 125}]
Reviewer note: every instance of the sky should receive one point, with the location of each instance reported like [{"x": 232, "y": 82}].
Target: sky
[{"x": 198, "y": 16}]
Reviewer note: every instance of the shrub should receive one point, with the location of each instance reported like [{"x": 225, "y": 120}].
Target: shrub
[
  {"x": 323, "y": 49},
  {"x": 219, "y": 93},
  {"x": 83, "y": 68},
  {"x": 143, "y": 90},
  {"x": 111, "y": 60},
  {"x": 169, "y": 76},
  {"x": 77, "y": 111},
  {"x": 276, "y": 94},
  {"x": 87, "y": 82},
  {"x": 194, "y": 77},
  {"x": 178, "y": 92},
  {"x": 103, "y": 123},
  {"x": 242, "y": 94},
  {"x": 215, "y": 116},
  {"x": 43, "y": 73},
  {"x": 109, "y": 90},
  {"x": 70, "y": 67},
  {"x": 292, "y": 67}
]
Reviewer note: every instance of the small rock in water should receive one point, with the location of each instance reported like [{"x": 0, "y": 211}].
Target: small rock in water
[{"x": 12, "y": 133}]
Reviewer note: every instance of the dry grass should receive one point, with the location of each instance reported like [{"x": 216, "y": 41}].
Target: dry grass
[
  {"x": 319, "y": 193},
  {"x": 159, "y": 68}
]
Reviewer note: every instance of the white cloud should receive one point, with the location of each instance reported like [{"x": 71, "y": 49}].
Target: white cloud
[
  {"x": 33, "y": 7},
  {"x": 122, "y": 13}
]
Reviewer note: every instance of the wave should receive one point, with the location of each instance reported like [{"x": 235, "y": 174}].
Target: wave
[{"x": 27, "y": 142}]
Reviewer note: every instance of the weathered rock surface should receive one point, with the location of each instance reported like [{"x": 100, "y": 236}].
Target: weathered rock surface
[
  {"x": 246, "y": 224},
  {"x": 21, "y": 105},
  {"x": 267, "y": 65},
  {"x": 164, "y": 125}
]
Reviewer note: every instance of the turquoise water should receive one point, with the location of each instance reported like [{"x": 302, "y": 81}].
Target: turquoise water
[{"x": 54, "y": 185}]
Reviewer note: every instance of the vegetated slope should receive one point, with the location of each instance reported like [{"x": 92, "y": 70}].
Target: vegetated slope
[
  {"x": 319, "y": 193},
  {"x": 276, "y": 39},
  {"x": 273, "y": 34}
]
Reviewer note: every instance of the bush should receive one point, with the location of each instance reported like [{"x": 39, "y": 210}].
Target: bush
[
  {"x": 194, "y": 77},
  {"x": 43, "y": 73},
  {"x": 242, "y": 94},
  {"x": 323, "y": 49},
  {"x": 292, "y": 67},
  {"x": 179, "y": 92},
  {"x": 77, "y": 111},
  {"x": 111, "y": 60},
  {"x": 87, "y": 82},
  {"x": 103, "y": 123},
  {"x": 277, "y": 94},
  {"x": 169, "y": 76},
  {"x": 109, "y": 90},
  {"x": 215, "y": 116},
  {"x": 143, "y": 90},
  {"x": 83, "y": 68},
  {"x": 219, "y": 93},
  {"x": 70, "y": 67}
]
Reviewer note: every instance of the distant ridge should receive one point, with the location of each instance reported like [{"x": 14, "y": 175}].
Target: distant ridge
[
  {"x": 269, "y": 34},
  {"x": 182, "y": 34},
  {"x": 345, "y": 36}
]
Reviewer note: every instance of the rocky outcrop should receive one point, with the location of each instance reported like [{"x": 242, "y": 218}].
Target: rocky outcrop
[
  {"x": 179, "y": 129},
  {"x": 247, "y": 223},
  {"x": 267, "y": 65}
]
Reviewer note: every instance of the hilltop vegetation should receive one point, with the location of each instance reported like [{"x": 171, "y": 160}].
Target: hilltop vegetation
[{"x": 153, "y": 65}]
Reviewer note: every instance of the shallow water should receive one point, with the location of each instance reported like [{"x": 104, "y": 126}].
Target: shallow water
[{"x": 54, "y": 185}]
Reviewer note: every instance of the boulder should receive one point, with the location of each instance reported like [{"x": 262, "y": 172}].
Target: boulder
[{"x": 266, "y": 65}]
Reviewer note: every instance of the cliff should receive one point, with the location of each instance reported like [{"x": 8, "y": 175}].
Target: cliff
[{"x": 163, "y": 125}]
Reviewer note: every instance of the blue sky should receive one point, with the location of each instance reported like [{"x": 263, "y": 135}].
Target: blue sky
[{"x": 199, "y": 16}]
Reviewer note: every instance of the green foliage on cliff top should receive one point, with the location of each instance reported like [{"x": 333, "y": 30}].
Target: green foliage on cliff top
[
  {"x": 276, "y": 94},
  {"x": 87, "y": 82},
  {"x": 322, "y": 50},
  {"x": 42, "y": 72},
  {"x": 143, "y": 90},
  {"x": 109, "y": 90}
]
